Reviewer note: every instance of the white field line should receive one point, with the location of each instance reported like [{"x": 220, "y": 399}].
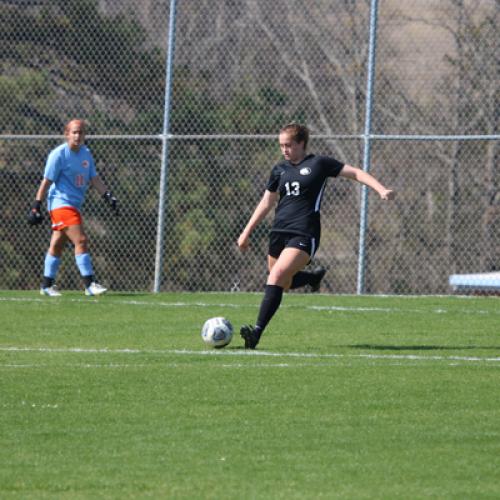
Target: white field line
[
  {"x": 233, "y": 353},
  {"x": 229, "y": 305},
  {"x": 183, "y": 365},
  {"x": 163, "y": 365},
  {"x": 79, "y": 365}
]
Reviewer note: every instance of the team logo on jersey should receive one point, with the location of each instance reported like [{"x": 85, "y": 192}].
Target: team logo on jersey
[
  {"x": 85, "y": 163},
  {"x": 305, "y": 171}
]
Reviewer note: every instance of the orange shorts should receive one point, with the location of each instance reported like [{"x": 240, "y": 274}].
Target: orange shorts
[{"x": 65, "y": 216}]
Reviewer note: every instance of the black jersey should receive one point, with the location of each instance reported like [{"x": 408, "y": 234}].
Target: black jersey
[{"x": 301, "y": 188}]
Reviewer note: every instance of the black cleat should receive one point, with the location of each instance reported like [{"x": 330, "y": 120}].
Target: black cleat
[
  {"x": 318, "y": 274},
  {"x": 250, "y": 336}
]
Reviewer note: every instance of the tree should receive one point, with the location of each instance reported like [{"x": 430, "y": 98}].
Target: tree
[{"x": 471, "y": 104}]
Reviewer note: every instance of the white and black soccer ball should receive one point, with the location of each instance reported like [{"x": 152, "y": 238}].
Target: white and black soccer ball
[{"x": 217, "y": 332}]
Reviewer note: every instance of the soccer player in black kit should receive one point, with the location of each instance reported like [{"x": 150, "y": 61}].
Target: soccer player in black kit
[{"x": 298, "y": 182}]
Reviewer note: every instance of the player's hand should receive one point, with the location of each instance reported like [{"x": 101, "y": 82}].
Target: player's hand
[
  {"x": 111, "y": 201},
  {"x": 387, "y": 194},
  {"x": 35, "y": 216},
  {"x": 243, "y": 242}
]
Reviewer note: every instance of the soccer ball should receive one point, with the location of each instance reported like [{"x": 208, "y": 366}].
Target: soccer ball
[{"x": 217, "y": 332}]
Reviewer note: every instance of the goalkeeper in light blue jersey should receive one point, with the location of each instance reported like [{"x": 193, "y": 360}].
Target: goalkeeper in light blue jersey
[{"x": 69, "y": 171}]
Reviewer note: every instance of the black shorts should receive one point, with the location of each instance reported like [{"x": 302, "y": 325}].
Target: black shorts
[{"x": 279, "y": 241}]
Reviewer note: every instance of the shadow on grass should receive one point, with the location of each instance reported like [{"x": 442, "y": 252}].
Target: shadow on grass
[{"x": 378, "y": 347}]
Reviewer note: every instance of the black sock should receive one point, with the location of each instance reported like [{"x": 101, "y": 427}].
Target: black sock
[
  {"x": 87, "y": 280},
  {"x": 268, "y": 306},
  {"x": 302, "y": 278},
  {"x": 47, "y": 282}
]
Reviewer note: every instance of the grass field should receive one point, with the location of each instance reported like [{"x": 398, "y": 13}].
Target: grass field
[{"x": 346, "y": 397}]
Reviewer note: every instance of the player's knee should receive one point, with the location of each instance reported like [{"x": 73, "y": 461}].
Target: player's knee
[
  {"x": 55, "y": 251},
  {"x": 56, "y": 247},
  {"x": 278, "y": 276}
]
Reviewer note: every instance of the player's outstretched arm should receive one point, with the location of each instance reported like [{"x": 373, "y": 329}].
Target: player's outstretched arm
[
  {"x": 263, "y": 208},
  {"x": 356, "y": 174}
]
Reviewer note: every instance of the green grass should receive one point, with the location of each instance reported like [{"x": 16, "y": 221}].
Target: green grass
[{"x": 346, "y": 397}]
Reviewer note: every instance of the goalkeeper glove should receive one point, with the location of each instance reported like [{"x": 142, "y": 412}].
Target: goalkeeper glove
[
  {"x": 35, "y": 216},
  {"x": 111, "y": 201}
]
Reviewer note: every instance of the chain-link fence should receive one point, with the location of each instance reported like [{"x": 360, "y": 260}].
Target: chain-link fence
[{"x": 240, "y": 70}]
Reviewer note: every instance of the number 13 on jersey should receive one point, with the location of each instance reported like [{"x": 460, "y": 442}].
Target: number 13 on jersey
[{"x": 292, "y": 188}]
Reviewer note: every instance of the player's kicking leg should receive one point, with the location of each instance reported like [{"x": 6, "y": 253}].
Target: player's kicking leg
[{"x": 282, "y": 270}]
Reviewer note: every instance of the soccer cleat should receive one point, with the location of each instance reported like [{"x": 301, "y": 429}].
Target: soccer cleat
[
  {"x": 95, "y": 289},
  {"x": 318, "y": 274},
  {"x": 50, "y": 291},
  {"x": 250, "y": 336}
]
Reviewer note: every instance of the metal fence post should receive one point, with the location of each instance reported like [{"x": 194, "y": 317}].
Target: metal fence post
[
  {"x": 367, "y": 145},
  {"x": 165, "y": 148}
]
